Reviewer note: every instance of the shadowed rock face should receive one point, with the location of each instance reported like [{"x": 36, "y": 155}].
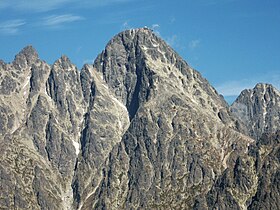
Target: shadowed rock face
[{"x": 140, "y": 129}]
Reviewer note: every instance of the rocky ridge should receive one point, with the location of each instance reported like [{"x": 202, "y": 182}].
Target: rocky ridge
[
  {"x": 259, "y": 109},
  {"x": 138, "y": 129}
]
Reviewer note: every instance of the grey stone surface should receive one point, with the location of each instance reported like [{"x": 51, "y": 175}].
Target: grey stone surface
[
  {"x": 258, "y": 109},
  {"x": 139, "y": 129}
]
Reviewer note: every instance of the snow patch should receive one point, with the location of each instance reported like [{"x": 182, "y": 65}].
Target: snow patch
[
  {"x": 155, "y": 45},
  {"x": 264, "y": 106},
  {"x": 264, "y": 113},
  {"x": 67, "y": 199},
  {"x": 26, "y": 82},
  {"x": 105, "y": 86},
  {"x": 145, "y": 48},
  {"x": 15, "y": 128},
  {"x": 48, "y": 97},
  {"x": 77, "y": 147},
  {"x": 123, "y": 117},
  {"x": 121, "y": 104}
]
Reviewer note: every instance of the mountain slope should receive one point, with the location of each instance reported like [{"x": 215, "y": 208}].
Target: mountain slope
[
  {"x": 139, "y": 129},
  {"x": 180, "y": 137},
  {"x": 258, "y": 109}
]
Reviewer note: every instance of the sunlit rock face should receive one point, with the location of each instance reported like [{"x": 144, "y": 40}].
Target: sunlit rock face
[
  {"x": 138, "y": 129},
  {"x": 258, "y": 109}
]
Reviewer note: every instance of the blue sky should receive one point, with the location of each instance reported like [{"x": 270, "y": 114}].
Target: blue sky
[{"x": 233, "y": 43}]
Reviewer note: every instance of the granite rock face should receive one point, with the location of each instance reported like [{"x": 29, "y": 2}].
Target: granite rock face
[
  {"x": 258, "y": 109},
  {"x": 139, "y": 129}
]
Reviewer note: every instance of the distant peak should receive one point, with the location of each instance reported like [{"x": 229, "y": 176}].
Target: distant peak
[
  {"x": 259, "y": 91},
  {"x": 29, "y": 49},
  {"x": 63, "y": 63},
  {"x": 143, "y": 30},
  {"x": 64, "y": 58},
  {"x": 263, "y": 86},
  {"x": 2, "y": 62},
  {"x": 28, "y": 54},
  {"x": 138, "y": 30}
]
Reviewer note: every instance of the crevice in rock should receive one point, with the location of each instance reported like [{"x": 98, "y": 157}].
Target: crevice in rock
[
  {"x": 139, "y": 70},
  {"x": 48, "y": 133},
  {"x": 134, "y": 103},
  {"x": 84, "y": 136}
]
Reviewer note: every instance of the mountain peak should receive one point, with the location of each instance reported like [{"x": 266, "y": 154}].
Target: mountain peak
[
  {"x": 138, "y": 37},
  {"x": 64, "y": 63},
  {"x": 259, "y": 109},
  {"x": 26, "y": 56},
  {"x": 29, "y": 52},
  {"x": 137, "y": 65},
  {"x": 144, "y": 30},
  {"x": 140, "y": 116},
  {"x": 263, "y": 86},
  {"x": 64, "y": 59}
]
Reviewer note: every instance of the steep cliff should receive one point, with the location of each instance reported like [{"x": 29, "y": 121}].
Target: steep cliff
[
  {"x": 138, "y": 129},
  {"x": 258, "y": 109}
]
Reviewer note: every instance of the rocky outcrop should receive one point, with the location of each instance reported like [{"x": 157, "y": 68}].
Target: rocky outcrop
[
  {"x": 258, "y": 109},
  {"x": 169, "y": 157},
  {"x": 139, "y": 129}
]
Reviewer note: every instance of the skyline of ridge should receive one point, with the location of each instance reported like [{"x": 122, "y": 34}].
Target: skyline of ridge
[{"x": 233, "y": 43}]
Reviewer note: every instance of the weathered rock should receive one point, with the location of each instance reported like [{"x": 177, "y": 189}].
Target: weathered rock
[
  {"x": 139, "y": 129},
  {"x": 258, "y": 109},
  {"x": 181, "y": 135},
  {"x": 267, "y": 154}
]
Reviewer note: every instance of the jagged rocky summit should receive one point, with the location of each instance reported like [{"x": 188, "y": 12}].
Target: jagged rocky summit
[{"x": 138, "y": 129}]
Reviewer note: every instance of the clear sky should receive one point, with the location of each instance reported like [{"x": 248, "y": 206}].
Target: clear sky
[{"x": 233, "y": 43}]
